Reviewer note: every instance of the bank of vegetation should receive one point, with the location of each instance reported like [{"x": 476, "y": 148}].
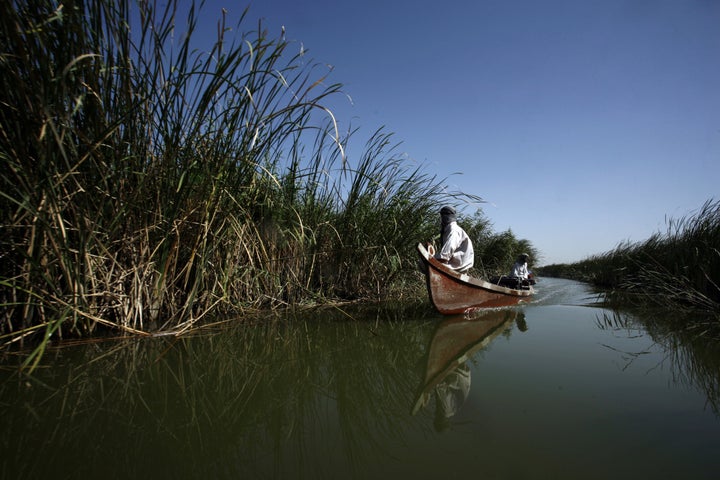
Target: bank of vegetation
[
  {"x": 678, "y": 268},
  {"x": 148, "y": 185}
]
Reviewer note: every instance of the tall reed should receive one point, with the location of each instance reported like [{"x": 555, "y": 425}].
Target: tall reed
[{"x": 147, "y": 184}]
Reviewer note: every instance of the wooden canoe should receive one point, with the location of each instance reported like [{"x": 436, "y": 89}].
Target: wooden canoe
[
  {"x": 454, "y": 342},
  {"x": 455, "y": 293}
]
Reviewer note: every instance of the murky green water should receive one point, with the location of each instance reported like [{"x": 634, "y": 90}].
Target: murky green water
[{"x": 555, "y": 389}]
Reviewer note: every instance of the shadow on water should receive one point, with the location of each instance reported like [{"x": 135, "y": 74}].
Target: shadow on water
[{"x": 342, "y": 393}]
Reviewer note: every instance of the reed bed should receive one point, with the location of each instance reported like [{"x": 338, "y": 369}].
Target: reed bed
[
  {"x": 677, "y": 269},
  {"x": 147, "y": 184}
]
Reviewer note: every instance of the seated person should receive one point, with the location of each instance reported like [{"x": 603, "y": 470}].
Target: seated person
[{"x": 519, "y": 271}]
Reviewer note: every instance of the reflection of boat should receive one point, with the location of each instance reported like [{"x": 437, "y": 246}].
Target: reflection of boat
[
  {"x": 452, "y": 293},
  {"x": 455, "y": 340}
]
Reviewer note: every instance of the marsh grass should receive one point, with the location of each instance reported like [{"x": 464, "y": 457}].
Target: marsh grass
[
  {"x": 678, "y": 269},
  {"x": 147, "y": 185}
]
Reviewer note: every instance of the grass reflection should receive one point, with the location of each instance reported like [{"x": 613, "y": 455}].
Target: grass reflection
[
  {"x": 265, "y": 400},
  {"x": 694, "y": 359}
]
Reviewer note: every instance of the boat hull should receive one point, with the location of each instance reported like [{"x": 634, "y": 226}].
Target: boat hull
[{"x": 453, "y": 293}]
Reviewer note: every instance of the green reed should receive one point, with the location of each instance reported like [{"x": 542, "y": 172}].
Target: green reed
[
  {"x": 679, "y": 268},
  {"x": 147, "y": 184}
]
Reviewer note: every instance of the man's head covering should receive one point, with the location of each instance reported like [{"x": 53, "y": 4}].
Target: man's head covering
[
  {"x": 447, "y": 209},
  {"x": 447, "y": 215}
]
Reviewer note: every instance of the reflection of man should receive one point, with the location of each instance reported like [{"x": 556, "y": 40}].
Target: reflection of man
[
  {"x": 520, "y": 322},
  {"x": 450, "y": 394}
]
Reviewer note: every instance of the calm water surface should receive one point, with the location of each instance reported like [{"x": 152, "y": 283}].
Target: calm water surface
[{"x": 555, "y": 389}]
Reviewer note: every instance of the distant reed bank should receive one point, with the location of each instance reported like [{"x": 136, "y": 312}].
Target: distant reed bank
[{"x": 678, "y": 268}]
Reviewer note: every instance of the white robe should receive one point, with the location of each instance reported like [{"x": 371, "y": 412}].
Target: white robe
[{"x": 457, "y": 250}]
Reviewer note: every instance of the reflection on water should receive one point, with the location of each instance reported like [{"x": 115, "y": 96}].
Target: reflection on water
[
  {"x": 447, "y": 375},
  {"x": 695, "y": 360},
  {"x": 362, "y": 393},
  {"x": 450, "y": 394},
  {"x": 266, "y": 400}
]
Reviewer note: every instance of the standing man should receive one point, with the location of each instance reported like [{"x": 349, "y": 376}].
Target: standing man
[{"x": 456, "y": 250}]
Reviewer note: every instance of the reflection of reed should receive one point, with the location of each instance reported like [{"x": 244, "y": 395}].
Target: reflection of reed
[
  {"x": 266, "y": 400},
  {"x": 694, "y": 359}
]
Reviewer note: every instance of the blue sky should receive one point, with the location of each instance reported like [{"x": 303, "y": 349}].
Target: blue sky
[{"x": 583, "y": 124}]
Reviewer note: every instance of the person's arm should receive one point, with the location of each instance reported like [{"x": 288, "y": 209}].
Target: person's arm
[{"x": 524, "y": 271}]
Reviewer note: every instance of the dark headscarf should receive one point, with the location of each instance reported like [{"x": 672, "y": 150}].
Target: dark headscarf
[{"x": 447, "y": 216}]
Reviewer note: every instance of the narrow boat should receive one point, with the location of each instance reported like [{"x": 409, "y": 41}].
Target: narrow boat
[
  {"x": 454, "y": 342},
  {"x": 453, "y": 293}
]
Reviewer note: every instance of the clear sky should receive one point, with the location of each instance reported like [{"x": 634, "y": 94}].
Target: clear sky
[{"x": 582, "y": 123}]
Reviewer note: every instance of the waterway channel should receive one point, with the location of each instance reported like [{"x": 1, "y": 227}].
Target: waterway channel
[{"x": 559, "y": 388}]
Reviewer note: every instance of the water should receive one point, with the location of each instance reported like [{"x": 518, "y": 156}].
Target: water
[{"x": 559, "y": 388}]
